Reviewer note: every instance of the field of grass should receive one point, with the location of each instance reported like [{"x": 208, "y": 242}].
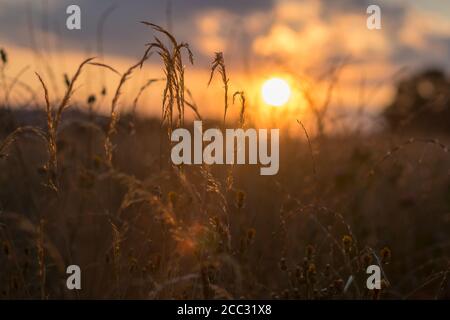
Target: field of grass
[{"x": 100, "y": 192}]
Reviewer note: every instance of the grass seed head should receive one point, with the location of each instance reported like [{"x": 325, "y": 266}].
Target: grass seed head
[
  {"x": 91, "y": 99},
  {"x": 3, "y": 56},
  {"x": 347, "y": 241}
]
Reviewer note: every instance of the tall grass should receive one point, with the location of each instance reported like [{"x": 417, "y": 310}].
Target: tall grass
[{"x": 141, "y": 231}]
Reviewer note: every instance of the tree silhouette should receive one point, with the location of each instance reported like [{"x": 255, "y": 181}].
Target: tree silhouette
[{"x": 422, "y": 102}]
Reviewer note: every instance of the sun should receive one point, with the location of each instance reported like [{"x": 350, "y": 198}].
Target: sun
[{"x": 276, "y": 92}]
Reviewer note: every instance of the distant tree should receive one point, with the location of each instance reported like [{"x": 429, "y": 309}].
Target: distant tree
[{"x": 421, "y": 102}]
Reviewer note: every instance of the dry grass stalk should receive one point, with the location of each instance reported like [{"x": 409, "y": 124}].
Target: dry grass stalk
[
  {"x": 242, "y": 112},
  {"x": 54, "y": 119},
  {"x": 136, "y": 99},
  {"x": 141, "y": 91},
  {"x": 103, "y": 65},
  {"x": 193, "y": 105},
  {"x": 320, "y": 110},
  {"x": 51, "y": 165},
  {"x": 309, "y": 145},
  {"x": 219, "y": 64},
  {"x": 116, "y": 250},
  {"x": 409, "y": 142},
  {"x": 173, "y": 94},
  {"x": 17, "y": 82},
  {"x": 13, "y": 136},
  {"x": 41, "y": 258},
  {"x": 114, "y": 115},
  {"x": 14, "y": 82}
]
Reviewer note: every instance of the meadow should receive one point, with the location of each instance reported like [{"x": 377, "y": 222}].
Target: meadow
[{"x": 100, "y": 191}]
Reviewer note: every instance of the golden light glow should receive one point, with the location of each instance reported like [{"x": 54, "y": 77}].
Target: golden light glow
[{"x": 276, "y": 92}]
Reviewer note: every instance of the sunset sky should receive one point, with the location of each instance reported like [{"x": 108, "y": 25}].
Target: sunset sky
[{"x": 295, "y": 39}]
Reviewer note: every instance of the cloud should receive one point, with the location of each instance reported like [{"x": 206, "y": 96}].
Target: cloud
[
  {"x": 266, "y": 35},
  {"x": 123, "y": 34},
  {"x": 264, "y": 27},
  {"x": 306, "y": 33}
]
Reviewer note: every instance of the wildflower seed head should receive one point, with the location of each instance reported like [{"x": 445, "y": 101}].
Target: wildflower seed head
[
  {"x": 240, "y": 199},
  {"x": 385, "y": 255},
  {"x": 311, "y": 269},
  {"x": 366, "y": 260},
  {"x": 311, "y": 273},
  {"x": 97, "y": 161},
  {"x": 251, "y": 235},
  {"x": 91, "y": 99},
  {"x": 173, "y": 197},
  {"x": 347, "y": 241},
  {"x": 283, "y": 265}
]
